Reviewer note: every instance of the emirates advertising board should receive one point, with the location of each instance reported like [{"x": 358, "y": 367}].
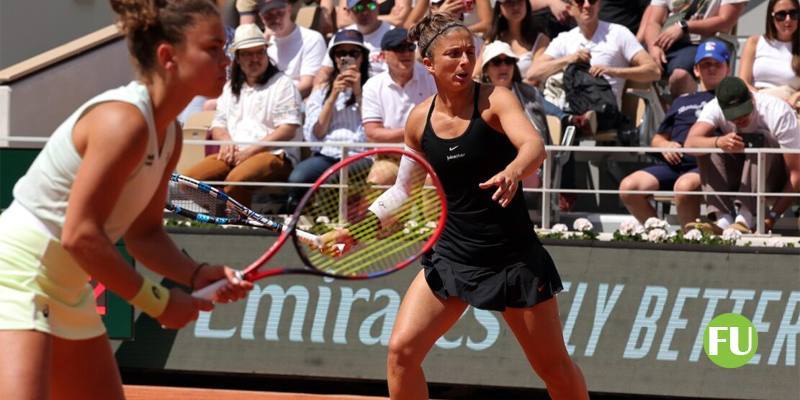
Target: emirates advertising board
[{"x": 635, "y": 320}]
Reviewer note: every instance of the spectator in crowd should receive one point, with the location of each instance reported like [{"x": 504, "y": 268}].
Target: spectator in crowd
[
  {"x": 475, "y": 13},
  {"x": 674, "y": 29},
  {"x": 500, "y": 67},
  {"x": 333, "y": 111},
  {"x": 678, "y": 171},
  {"x": 259, "y": 103},
  {"x": 610, "y": 49},
  {"x": 389, "y": 98},
  {"x": 296, "y": 51},
  {"x": 771, "y": 62},
  {"x": 746, "y": 120},
  {"x": 513, "y": 23},
  {"x": 365, "y": 13},
  {"x": 393, "y": 12},
  {"x": 553, "y": 15}
]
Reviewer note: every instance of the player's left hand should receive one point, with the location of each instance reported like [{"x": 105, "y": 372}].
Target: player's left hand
[
  {"x": 234, "y": 290},
  {"x": 507, "y": 186}
]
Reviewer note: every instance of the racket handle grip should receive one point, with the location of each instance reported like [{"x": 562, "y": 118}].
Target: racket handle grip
[
  {"x": 210, "y": 292},
  {"x": 308, "y": 238}
]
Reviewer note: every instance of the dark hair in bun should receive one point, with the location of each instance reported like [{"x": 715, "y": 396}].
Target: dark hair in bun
[
  {"x": 426, "y": 31},
  {"x": 146, "y": 23}
]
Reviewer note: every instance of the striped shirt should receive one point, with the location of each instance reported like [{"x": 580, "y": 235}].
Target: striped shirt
[{"x": 345, "y": 124}]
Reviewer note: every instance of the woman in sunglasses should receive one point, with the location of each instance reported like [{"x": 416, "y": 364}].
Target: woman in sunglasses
[
  {"x": 771, "y": 62},
  {"x": 333, "y": 110},
  {"x": 500, "y": 67}
]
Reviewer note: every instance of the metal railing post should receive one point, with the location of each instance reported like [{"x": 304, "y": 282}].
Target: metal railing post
[
  {"x": 546, "y": 182},
  {"x": 343, "y": 189},
  {"x": 760, "y": 183}
]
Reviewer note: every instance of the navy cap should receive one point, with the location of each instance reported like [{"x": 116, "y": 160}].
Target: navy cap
[
  {"x": 394, "y": 38},
  {"x": 347, "y": 36},
  {"x": 712, "y": 48},
  {"x": 269, "y": 5}
]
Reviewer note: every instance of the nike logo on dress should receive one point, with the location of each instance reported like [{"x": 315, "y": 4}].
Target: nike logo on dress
[{"x": 453, "y": 148}]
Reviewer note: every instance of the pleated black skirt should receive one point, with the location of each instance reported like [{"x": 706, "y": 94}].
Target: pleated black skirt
[{"x": 518, "y": 284}]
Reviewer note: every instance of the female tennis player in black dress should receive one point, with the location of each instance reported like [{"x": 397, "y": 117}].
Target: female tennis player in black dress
[{"x": 481, "y": 145}]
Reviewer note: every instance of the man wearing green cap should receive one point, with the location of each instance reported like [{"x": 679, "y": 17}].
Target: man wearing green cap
[{"x": 746, "y": 120}]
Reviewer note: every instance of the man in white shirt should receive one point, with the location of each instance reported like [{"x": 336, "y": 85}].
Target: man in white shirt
[
  {"x": 746, "y": 120},
  {"x": 389, "y": 97},
  {"x": 259, "y": 103},
  {"x": 674, "y": 29},
  {"x": 610, "y": 49},
  {"x": 298, "y": 52},
  {"x": 365, "y": 13}
]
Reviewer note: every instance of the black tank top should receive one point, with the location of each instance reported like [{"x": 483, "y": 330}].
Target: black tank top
[{"x": 478, "y": 230}]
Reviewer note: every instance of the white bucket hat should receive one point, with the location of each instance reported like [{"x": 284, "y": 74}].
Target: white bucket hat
[
  {"x": 247, "y": 36},
  {"x": 495, "y": 49}
]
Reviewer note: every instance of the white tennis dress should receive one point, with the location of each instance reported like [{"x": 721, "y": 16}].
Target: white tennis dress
[{"x": 41, "y": 286}]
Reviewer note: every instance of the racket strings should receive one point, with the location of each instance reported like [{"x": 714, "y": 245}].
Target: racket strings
[
  {"x": 376, "y": 253},
  {"x": 378, "y": 247},
  {"x": 194, "y": 200}
]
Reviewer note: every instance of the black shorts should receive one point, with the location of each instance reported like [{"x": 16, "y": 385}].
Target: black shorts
[
  {"x": 520, "y": 284},
  {"x": 680, "y": 56}
]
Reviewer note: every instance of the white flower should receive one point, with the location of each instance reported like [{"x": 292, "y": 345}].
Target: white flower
[
  {"x": 655, "y": 223},
  {"x": 775, "y": 242},
  {"x": 406, "y": 231},
  {"x": 559, "y": 228},
  {"x": 643, "y": 236},
  {"x": 323, "y": 220},
  {"x": 657, "y": 235},
  {"x": 411, "y": 224},
  {"x": 430, "y": 224},
  {"x": 693, "y": 234},
  {"x": 731, "y": 234},
  {"x": 630, "y": 227},
  {"x": 582, "y": 225}
]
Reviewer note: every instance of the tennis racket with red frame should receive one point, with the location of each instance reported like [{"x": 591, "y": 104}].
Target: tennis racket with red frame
[{"x": 340, "y": 198}]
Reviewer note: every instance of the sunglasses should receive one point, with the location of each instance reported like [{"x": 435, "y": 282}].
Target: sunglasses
[
  {"x": 783, "y": 14},
  {"x": 361, "y": 7},
  {"x": 497, "y": 61},
  {"x": 345, "y": 53},
  {"x": 403, "y": 48}
]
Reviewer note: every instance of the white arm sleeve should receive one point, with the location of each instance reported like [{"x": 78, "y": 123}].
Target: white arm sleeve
[{"x": 410, "y": 176}]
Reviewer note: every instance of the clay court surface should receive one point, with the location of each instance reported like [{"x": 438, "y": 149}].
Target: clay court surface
[{"x": 136, "y": 392}]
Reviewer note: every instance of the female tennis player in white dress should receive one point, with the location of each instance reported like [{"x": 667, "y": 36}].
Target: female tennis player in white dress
[{"x": 102, "y": 177}]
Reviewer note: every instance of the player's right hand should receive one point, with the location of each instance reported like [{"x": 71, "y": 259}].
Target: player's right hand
[
  {"x": 182, "y": 309},
  {"x": 336, "y": 242}
]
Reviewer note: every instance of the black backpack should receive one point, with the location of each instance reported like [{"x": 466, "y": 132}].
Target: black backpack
[{"x": 585, "y": 92}]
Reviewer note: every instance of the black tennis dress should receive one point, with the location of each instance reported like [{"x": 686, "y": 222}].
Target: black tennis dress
[{"x": 488, "y": 256}]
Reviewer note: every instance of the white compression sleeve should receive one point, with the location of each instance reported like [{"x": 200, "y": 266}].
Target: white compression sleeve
[{"x": 410, "y": 176}]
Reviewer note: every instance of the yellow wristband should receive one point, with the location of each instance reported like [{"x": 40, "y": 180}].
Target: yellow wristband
[{"x": 152, "y": 298}]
